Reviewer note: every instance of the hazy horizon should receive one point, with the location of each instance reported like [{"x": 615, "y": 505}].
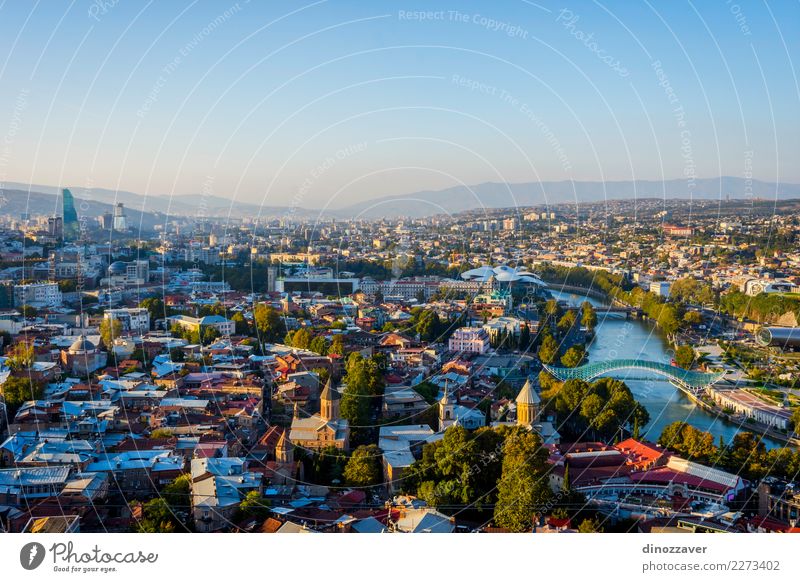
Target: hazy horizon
[{"x": 328, "y": 104}]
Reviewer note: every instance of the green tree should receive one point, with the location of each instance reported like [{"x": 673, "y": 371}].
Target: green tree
[
  {"x": 552, "y": 309},
  {"x": 685, "y": 357},
  {"x": 177, "y": 493},
  {"x": 524, "y": 342},
  {"x": 603, "y": 407},
  {"x": 156, "y": 307},
  {"x": 20, "y": 357},
  {"x": 796, "y": 419},
  {"x": 210, "y": 334},
  {"x": 355, "y": 405},
  {"x": 254, "y": 506},
  {"x": 337, "y": 345},
  {"x": 588, "y": 315},
  {"x": 269, "y": 323},
  {"x": 158, "y": 517},
  {"x": 429, "y": 326},
  {"x": 28, "y": 311},
  {"x": 573, "y": 356},
  {"x": 110, "y": 329},
  {"x": 242, "y": 327},
  {"x": 327, "y": 466},
  {"x": 522, "y": 491},
  {"x": 319, "y": 345},
  {"x": 302, "y": 338},
  {"x": 590, "y": 526},
  {"x": 567, "y": 321},
  {"x": 668, "y": 319},
  {"x": 692, "y": 318},
  {"x": 688, "y": 441},
  {"x": 364, "y": 381},
  {"x": 461, "y": 468},
  {"x": 363, "y": 468},
  {"x": 17, "y": 390},
  {"x": 548, "y": 350}
]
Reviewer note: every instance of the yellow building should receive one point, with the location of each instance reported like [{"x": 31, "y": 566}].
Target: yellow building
[{"x": 325, "y": 429}]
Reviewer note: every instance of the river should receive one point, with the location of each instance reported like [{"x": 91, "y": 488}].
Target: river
[{"x": 617, "y": 338}]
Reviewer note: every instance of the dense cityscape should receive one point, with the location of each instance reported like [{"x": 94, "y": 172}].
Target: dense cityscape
[{"x": 619, "y": 366}]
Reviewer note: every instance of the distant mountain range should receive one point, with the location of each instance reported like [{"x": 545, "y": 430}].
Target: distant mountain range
[
  {"x": 39, "y": 199},
  {"x": 43, "y": 199},
  {"x": 500, "y": 195}
]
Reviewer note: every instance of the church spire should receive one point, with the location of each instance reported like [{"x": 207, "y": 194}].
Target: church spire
[
  {"x": 527, "y": 405},
  {"x": 284, "y": 450},
  {"x": 329, "y": 402},
  {"x": 446, "y": 408}
]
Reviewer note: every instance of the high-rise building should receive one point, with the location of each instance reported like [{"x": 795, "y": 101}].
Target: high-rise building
[
  {"x": 107, "y": 221},
  {"x": 71, "y": 228},
  {"x": 55, "y": 226},
  {"x": 120, "y": 222}
]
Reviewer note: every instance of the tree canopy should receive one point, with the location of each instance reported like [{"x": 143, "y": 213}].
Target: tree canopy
[
  {"x": 269, "y": 323},
  {"x": 110, "y": 329},
  {"x": 685, "y": 357},
  {"x": 363, "y": 468},
  {"x": 573, "y": 356},
  {"x": 601, "y": 408},
  {"x": 17, "y": 390},
  {"x": 523, "y": 490}
]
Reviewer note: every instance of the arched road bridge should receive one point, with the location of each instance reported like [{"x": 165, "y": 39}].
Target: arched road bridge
[{"x": 693, "y": 381}]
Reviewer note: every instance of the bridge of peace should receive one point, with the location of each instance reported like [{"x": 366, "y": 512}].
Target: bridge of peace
[{"x": 693, "y": 382}]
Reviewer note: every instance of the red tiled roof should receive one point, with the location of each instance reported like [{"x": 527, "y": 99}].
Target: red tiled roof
[
  {"x": 641, "y": 453},
  {"x": 352, "y": 497},
  {"x": 663, "y": 475}
]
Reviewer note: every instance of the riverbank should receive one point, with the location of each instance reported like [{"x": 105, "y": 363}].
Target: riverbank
[
  {"x": 753, "y": 426},
  {"x": 593, "y": 293},
  {"x": 642, "y": 340}
]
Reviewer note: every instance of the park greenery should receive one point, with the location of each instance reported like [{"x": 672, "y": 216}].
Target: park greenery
[{"x": 599, "y": 410}]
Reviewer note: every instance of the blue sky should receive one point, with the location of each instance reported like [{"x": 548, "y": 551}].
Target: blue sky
[{"x": 328, "y": 103}]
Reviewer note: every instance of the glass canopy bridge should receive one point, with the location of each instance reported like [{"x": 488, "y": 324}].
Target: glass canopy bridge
[{"x": 694, "y": 382}]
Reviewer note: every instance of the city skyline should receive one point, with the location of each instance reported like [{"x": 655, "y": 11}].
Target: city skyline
[{"x": 347, "y": 267}]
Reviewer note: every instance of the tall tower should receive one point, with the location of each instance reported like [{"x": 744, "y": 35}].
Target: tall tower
[
  {"x": 70, "y": 226},
  {"x": 284, "y": 450},
  {"x": 329, "y": 402},
  {"x": 447, "y": 409},
  {"x": 527, "y": 405},
  {"x": 120, "y": 221}
]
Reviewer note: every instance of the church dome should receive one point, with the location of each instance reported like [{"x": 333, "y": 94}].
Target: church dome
[{"x": 82, "y": 345}]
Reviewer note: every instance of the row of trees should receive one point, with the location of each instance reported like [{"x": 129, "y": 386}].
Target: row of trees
[
  {"x": 304, "y": 339},
  {"x": 505, "y": 339},
  {"x": 763, "y": 307},
  {"x": 746, "y": 455},
  {"x": 669, "y": 316}
]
